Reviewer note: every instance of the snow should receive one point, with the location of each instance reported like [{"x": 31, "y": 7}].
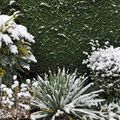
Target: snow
[
  {"x": 14, "y": 77},
  {"x": 3, "y": 22},
  {"x": 61, "y": 34},
  {"x": 3, "y": 86},
  {"x": 28, "y": 81},
  {"x": 67, "y": 92},
  {"x": 26, "y": 66},
  {"x": 11, "y": 2},
  {"x": 19, "y": 31},
  {"x": 35, "y": 84},
  {"x": 23, "y": 95},
  {"x": 106, "y": 60},
  {"x": 16, "y": 83},
  {"x": 112, "y": 111},
  {"x": 31, "y": 58},
  {"x": 5, "y": 38},
  {"x": 27, "y": 107},
  {"x": 13, "y": 49},
  {"x": 23, "y": 85},
  {"x": 14, "y": 35},
  {"x": 44, "y": 4}
]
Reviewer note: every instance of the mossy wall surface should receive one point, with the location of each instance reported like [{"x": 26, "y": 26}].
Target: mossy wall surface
[{"x": 64, "y": 28}]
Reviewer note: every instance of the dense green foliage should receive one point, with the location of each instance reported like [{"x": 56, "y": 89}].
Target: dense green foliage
[
  {"x": 7, "y": 8},
  {"x": 63, "y": 28}
]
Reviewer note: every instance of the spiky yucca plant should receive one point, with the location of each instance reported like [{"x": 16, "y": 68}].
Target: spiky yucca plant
[{"x": 64, "y": 94}]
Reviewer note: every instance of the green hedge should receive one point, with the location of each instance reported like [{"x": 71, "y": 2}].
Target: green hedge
[
  {"x": 7, "y": 8},
  {"x": 63, "y": 29}
]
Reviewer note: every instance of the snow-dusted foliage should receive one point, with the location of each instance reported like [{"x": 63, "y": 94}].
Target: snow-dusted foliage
[
  {"x": 112, "y": 111},
  {"x": 104, "y": 64},
  {"x": 64, "y": 94},
  {"x": 16, "y": 99},
  {"x": 12, "y": 2},
  {"x": 105, "y": 61},
  {"x": 15, "y": 44}
]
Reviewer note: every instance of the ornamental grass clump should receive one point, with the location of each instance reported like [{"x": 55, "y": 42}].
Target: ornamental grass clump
[{"x": 65, "y": 96}]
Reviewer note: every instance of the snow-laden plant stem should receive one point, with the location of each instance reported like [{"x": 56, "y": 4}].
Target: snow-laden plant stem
[{"x": 65, "y": 94}]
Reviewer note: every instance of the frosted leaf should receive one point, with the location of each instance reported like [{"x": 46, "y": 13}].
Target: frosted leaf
[
  {"x": 13, "y": 49},
  {"x": 20, "y": 31},
  {"x": 3, "y": 20},
  {"x": 28, "y": 81},
  {"x": 11, "y": 2},
  {"x": 62, "y": 35},
  {"x": 14, "y": 77},
  {"x": 5, "y": 38},
  {"x": 44, "y": 4},
  {"x": 26, "y": 66},
  {"x": 30, "y": 58}
]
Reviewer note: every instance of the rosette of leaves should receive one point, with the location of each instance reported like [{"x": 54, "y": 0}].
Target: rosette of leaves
[
  {"x": 15, "y": 45},
  {"x": 65, "y": 96},
  {"x": 104, "y": 64}
]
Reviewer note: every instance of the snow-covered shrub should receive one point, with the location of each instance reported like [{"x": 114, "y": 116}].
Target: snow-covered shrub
[
  {"x": 104, "y": 64},
  {"x": 15, "y": 45},
  {"x": 112, "y": 111},
  {"x": 65, "y": 95},
  {"x": 105, "y": 61},
  {"x": 16, "y": 99}
]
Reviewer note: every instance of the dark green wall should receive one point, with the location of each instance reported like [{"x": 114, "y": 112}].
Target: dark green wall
[{"x": 63, "y": 29}]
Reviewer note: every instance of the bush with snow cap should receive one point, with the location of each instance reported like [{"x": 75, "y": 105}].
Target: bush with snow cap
[
  {"x": 15, "y": 44},
  {"x": 105, "y": 61},
  {"x": 104, "y": 64}
]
